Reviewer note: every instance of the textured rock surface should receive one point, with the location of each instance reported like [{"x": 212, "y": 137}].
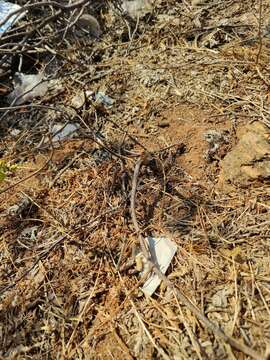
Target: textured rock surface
[{"x": 250, "y": 158}]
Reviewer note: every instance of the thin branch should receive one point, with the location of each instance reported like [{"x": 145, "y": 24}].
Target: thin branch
[
  {"x": 45, "y": 3},
  {"x": 143, "y": 245},
  {"x": 259, "y": 33},
  {"x": 26, "y": 272}
]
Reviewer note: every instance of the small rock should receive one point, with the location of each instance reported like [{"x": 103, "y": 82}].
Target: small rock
[
  {"x": 17, "y": 209},
  {"x": 90, "y": 24},
  {"x": 15, "y": 132},
  {"x": 163, "y": 124},
  {"x": 219, "y": 299},
  {"x": 102, "y": 98},
  {"x": 62, "y": 132},
  {"x": 215, "y": 141},
  {"x": 78, "y": 100},
  {"x": 137, "y": 8},
  {"x": 250, "y": 158}
]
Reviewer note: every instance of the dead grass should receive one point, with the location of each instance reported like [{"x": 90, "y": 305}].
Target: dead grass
[{"x": 66, "y": 289}]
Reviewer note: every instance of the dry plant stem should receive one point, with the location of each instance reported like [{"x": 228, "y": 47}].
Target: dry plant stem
[
  {"x": 177, "y": 292},
  {"x": 84, "y": 308},
  {"x": 259, "y": 33},
  {"x": 132, "y": 209},
  {"x": 122, "y": 345},
  {"x": 159, "y": 349},
  {"x": 40, "y": 257}
]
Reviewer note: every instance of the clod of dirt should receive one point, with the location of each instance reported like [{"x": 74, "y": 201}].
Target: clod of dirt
[{"x": 250, "y": 159}]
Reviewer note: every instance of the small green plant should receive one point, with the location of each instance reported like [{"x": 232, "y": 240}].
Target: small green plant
[{"x": 6, "y": 168}]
